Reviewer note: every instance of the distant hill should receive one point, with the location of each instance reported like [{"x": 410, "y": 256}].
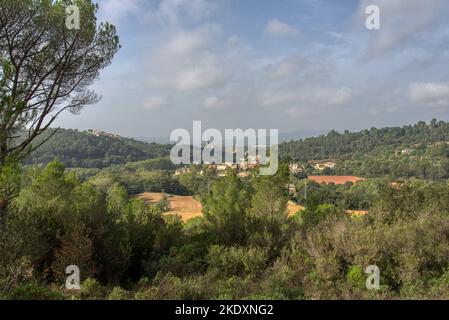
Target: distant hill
[
  {"x": 93, "y": 150},
  {"x": 346, "y": 145},
  {"x": 160, "y": 140},
  {"x": 97, "y": 150}
]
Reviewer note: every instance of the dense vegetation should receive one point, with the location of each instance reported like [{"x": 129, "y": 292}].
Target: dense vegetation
[
  {"x": 348, "y": 196},
  {"x": 81, "y": 149},
  {"x": 420, "y": 150},
  {"x": 353, "y": 145},
  {"x": 244, "y": 247},
  {"x": 154, "y": 175}
]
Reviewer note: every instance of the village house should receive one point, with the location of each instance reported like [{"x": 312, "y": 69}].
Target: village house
[
  {"x": 295, "y": 168},
  {"x": 323, "y": 165},
  {"x": 99, "y": 133}
]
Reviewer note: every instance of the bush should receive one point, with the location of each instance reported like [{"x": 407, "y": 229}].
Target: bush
[
  {"x": 118, "y": 293},
  {"x": 356, "y": 277},
  {"x": 33, "y": 291},
  {"x": 91, "y": 289},
  {"x": 237, "y": 260}
]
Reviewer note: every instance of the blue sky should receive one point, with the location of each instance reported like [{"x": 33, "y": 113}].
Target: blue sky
[{"x": 290, "y": 65}]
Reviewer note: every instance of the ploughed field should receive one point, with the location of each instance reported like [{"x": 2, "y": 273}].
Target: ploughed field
[
  {"x": 187, "y": 207},
  {"x": 293, "y": 208},
  {"x": 335, "y": 179}
]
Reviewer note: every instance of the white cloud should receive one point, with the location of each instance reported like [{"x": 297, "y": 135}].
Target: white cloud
[
  {"x": 278, "y": 28},
  {"x": 173, "y": 12},
  {"x": 201, "y": 61},
  {"x": 331, "y": 96},
  {"x": 188, "y": 60},
  {"x": 185, "y": 42},
  {"x": 402, "y": 22},
  {"x": 433, "y": 94},
  {"x": 278, "y": 98},
  {"x": 213, "y": 102},
  {"x": 311, "y": 97},
  {"x": 206, "y": 73},
  {"x": 151, "y": 103},
  {"x": 296, "y": 112},
  {"x": 375, "y": 111},
  {"x": 115, "y": 11},
  {"x": 288, "y": 66}
]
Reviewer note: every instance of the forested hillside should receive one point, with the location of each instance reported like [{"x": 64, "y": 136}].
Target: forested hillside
[
  {"x": 85, "y": 150},
  {"x": 374, "y": 141},
  {"x": 420, "y": 150}
]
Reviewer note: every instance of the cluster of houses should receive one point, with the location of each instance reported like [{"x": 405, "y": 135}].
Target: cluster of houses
[
  {"x": 321, "y": 165},
  {"x": 317, "y": 165},
  {"x": 221, "y": 168},
  {"x": 247, "y": 164},
  {"x": 99, "y": 133},
  {"x": 244, "y": 167}
]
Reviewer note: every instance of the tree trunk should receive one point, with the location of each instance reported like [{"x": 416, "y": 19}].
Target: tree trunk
[
  {"x": 3, "y": 210},
  {"x": 3, "y": 153},
  {"x": 3, "y": 197}
]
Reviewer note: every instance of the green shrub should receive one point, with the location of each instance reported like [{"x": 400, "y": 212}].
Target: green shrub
[
  {"x": 237, "y": 260},
  {"x": 91, "y": 289},
  {"x": 356, "y": 277},
  {"x": 118, "y": 293},
  {"x": 33, "y": 291}
]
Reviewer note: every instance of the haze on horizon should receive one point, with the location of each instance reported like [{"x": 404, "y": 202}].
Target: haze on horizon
[{"x": 292, "y": 65}]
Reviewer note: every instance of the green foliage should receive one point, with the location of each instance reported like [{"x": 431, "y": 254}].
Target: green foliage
[
  {"x": 356, "y": 277},
  {"x": 228, "y": 261},
  {"x": 419, "y": 151},
  {"x": 91, "y": 289},
  {"x": 349, "y": 196},
  {"x": 336, "y": 145},
  {"x": 118, "y": 293},
  {"x": 10, "y": 179},
  {"x": 313, "y": 215},
  {"x": 117, "y": 199},
  {"x": 198, "y": 179},
  {"x": 225, "y": 209},
  {"x": 33, "y": 291},
  {"x": 10, "y": 182},
  {"x": 189, "y": 259},
  {"x": 136, "y": 179},
  {"x": 243, "y": 247},
  {"x": 267, "y": 224},
  {"x": 75, "y": 248},
  {"x": 46, "y": 68},
  {"x": 81, "y": 149},
  {"x": 322, "y": 257}
]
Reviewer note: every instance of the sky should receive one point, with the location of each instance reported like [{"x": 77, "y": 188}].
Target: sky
[{"x": 269, "y": 64}]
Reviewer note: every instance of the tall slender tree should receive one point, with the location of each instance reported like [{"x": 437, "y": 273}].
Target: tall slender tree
[{"x": 46, "y": 66}]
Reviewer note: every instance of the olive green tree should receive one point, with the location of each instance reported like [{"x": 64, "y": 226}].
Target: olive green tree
[{"x": 46, "y": 67}]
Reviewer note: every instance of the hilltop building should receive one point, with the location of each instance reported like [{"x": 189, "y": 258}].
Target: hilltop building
[{"x": 99, "y": 133}]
